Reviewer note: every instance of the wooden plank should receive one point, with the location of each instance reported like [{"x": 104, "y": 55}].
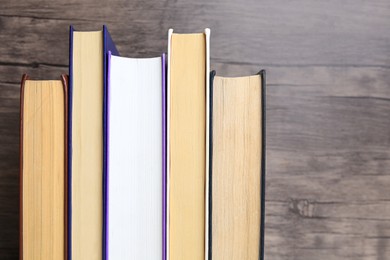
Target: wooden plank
[{"x": 299, "y": 32}]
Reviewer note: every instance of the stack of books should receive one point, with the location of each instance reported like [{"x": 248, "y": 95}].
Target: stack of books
[{"x": 142, "y": 158}]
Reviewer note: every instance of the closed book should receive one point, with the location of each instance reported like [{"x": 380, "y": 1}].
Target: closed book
[
  {"x": 87, "y": 136},
  {"x": 136, "y": 158},
  {"x": 187, "y": 144},
  {"x": 237, "y": 167},
  {"x": 43, "y": 168}
]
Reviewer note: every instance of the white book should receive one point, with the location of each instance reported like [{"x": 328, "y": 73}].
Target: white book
[{"x": 135, "y": 154}]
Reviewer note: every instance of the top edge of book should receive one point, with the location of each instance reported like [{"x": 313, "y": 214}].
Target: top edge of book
[
  {"x": 80, "y": 32},
  {"x": 102, "y": 28},
  {"x": 205, "y": 31},
  {"x": 239, "y": 77},
  {"x": 44, "y": 80},
  {"x": 137, "y": 59}
]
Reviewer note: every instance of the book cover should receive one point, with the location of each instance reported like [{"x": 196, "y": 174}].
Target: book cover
[
  {"x": 164, "y": 161},
  {"x": 108, "y": 47}
]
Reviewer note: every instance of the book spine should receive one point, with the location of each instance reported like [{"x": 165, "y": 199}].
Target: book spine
[
  {"x": 65, "y": 84},
  {"x": 207, "y": 35},
  {"x": 164, "y": 159},
  {"x": 263, "y": 151},
  {"x": 105, "y": 146},
  {"x": 22, "y": 84},
  {"x": 108, "y": 50},
  {"x": 170, "y": 32},
  {"x": 106, "y": 182},
  {"x": 210, "y": 187},
  {"x": 69, "y": 145}
]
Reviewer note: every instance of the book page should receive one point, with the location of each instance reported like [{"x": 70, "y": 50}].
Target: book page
[
  {"x": 236, "y": 167},
  {"x": 87, "y": 146},
  {"x": 135, "y": 158},
  {"x": 43, "y": 187},
  {"x": 187, "y": 146}
]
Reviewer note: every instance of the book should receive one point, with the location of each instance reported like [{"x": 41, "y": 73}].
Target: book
[
  {"x": 237, "y": 167},
  {"x": 43, "y": 168},
  {"x": 87, "y": 138},
  {"x": 187, "y": 144},
  {"x": 136, "y": 158}
]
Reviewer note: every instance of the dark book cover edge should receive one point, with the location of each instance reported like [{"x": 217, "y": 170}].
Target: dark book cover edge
[{"x": 109, "y": 49}]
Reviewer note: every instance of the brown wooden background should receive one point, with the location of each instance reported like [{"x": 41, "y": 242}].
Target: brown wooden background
[{"x": 328, "y": 110}]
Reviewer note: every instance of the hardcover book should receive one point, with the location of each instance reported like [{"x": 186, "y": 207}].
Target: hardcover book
[
  {"x": 237, "y": 167},
  {"x": 87, "y": 138},
  {"x": 136, "y": 158},
  {"x": 187, "y": 144},
  {"x": 43, "y": 168}
]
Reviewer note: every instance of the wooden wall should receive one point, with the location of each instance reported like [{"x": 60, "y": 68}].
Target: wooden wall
[{"x": 328, "y": 103}]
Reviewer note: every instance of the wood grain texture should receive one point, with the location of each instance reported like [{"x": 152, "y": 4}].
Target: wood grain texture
[{"x": 328, "y": 103}]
